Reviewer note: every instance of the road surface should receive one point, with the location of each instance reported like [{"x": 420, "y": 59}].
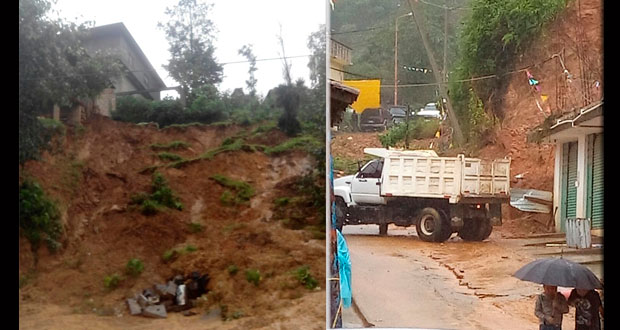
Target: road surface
[{"x": 400, "y": 281}]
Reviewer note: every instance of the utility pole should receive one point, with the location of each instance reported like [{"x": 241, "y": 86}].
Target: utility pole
[
  {"x": 417, "y": 16},
  {"x": 445, "y": 40}
]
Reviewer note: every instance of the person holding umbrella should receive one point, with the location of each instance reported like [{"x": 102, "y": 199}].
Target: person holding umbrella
[
  {"x": 550, "y": 308},
  {"x": 587, "y": 307},
  {"x": 554, "y": 272}
]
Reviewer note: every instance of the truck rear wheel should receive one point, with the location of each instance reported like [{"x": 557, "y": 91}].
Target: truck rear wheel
[
  {"x": 475, "y": 229},
  {"x": 430, "y": 226}
]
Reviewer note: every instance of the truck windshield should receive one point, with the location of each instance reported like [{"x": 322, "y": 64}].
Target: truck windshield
[{"x": 372, "y": 169}]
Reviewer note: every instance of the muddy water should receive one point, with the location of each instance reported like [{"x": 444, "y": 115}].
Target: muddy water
[{"x": 400, "y": 281}]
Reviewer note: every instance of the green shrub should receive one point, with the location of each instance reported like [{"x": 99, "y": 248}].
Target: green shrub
[
  {"x": 233, "y": 269},
  {"x": 112, "y": 281},
  {"x": 190, "y": 248},
  {"x": 282, "y": 201},
  {"x": 132, "y": 109},
  {"x": 39, "y": 217},
  {"x": 161, "y": 196},
  {"x": 253, "y": 276},
  {"x": 305, "y": 278},
  {"x": 134, "y": 267}
]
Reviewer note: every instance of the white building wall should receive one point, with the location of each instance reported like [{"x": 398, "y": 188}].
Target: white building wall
[{"x": 581, "y": 175}]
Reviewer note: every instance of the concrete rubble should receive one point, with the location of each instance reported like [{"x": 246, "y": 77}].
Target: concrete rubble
[{"x": 177, "y": 295}]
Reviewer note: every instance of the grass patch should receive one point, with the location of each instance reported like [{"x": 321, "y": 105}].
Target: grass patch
[
  {"x": 253, "y": 276},
  {"x": 174, "y": 145},
  {"x": 169, "y": 156},
  {"x": 282, "y": 201},
  {"x": 183, "y": 126},
  {"x": 305, "y": 278},
  {"x": 195, "y": 227},
  {"x": 232, "y": 269},
  {"x": 230, "y": 146},
  {"x": 305, "y": 142},
  {"x": 174, "y": 253},
  {"x": 242, "y": 190},
  {"x": 134, "y": 267},
  {"x": 233, "y": 226},
  {"x": 112, "y": 281}
]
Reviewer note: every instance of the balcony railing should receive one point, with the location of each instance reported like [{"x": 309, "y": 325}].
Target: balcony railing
[{"x": 340, "y": 51}]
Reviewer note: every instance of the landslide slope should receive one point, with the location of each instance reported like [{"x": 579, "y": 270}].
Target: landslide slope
[
  {"x": 96, "y": 169},
  {"x": 576, "y": 36}
]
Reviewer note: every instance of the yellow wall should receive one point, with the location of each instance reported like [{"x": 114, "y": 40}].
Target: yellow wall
[{"x": 370, "y": 94}]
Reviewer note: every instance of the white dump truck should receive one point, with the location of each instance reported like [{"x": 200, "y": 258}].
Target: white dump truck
[{"x": 439, "y": 195}]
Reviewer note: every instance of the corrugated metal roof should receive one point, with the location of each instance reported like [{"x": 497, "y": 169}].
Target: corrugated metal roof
[{"x": 519, "y": 201}]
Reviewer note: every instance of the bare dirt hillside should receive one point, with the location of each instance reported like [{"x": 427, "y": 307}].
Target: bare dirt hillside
[{"x": 93, "y": 175}]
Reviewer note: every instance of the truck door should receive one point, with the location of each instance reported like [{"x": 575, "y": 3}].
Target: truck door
[{"x": 365, "y": 187}]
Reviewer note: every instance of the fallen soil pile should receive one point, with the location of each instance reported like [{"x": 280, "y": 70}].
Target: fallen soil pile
[{"x": 97, "y": 169}]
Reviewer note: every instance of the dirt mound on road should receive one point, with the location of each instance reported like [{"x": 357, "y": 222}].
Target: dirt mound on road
[{"x": 93, "y": 176}]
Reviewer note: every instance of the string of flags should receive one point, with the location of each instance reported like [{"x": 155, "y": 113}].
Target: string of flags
[{"x": 410, "y": 68}]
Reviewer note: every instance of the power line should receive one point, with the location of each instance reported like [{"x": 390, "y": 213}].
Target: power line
[
  {"x": 363, "y": 30},
  {"x": 148, "y": 70}
]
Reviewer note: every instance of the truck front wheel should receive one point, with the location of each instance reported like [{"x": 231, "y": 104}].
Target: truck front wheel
[{"x": 430, "y": 226}]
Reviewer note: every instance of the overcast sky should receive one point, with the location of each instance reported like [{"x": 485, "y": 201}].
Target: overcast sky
[{"x": 237, "y": 23}]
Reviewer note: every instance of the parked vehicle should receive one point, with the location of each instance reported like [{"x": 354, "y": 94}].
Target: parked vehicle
[
  {"x": 439, "y": 195},
  {"x": 398, "y": 114},
  {"x": 429, "y": 111},
  {"x": 374, "y": 119}
]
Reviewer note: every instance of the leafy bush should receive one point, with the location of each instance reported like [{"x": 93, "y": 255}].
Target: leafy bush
[
  {"x": 253, "y": 276},
  {"x": 416, "y": 129},
  {"x": 161, "y": 196},
  {"x": 132, "y": 109},
  {"x": 282, "y": 201},
  {"x": 493, "y": 36},
  {"x": 39, "y": 217},
  {"x": 134, "y": 267},
  {"x": 305, "y": 278}
]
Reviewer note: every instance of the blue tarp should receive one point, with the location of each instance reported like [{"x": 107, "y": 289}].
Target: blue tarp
[{"x": 345, "y": 271}]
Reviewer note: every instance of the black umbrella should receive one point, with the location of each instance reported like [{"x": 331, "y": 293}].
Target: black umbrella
[{"x": 559, "y": 272}]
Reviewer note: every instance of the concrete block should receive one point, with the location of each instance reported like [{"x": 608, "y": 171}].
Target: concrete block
[
  {"x": 171, "y": 289},
  {"x": 156, "y": 311},
  {"x": 142, "y": 300},
  {"x": 134, "y": 307}
]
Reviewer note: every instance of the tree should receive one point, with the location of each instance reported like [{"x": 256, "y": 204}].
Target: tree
[
  {"x": 246, "y": 51},
  {"x": 54, "y": 68},
  {"x": 317, "y": 45},
  {"x": 190, "y": 36}
]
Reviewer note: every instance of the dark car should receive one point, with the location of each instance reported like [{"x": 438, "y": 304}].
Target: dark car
[
  {"x": 374, "y": 119},
  {"x": 398, "y": 114}
]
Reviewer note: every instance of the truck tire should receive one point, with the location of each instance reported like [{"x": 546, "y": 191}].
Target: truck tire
[
  {"x": 485, "y": 229},
  {"x": 476, "y": 229},
  {"x": 383, "y": 229},
  {"x": 446, "y": 230},
  {"x": 341, "y": 212},
  {"x": 430, "y": 226},
  {"x": 469, "y": 230}
]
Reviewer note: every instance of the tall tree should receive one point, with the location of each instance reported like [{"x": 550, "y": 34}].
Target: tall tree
[
  {"x": 317, "y": 46},
  {"x": 54, "y": 68},
  {"x": 246, "y": 51},
  {"x": 190, "y": 36}
]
